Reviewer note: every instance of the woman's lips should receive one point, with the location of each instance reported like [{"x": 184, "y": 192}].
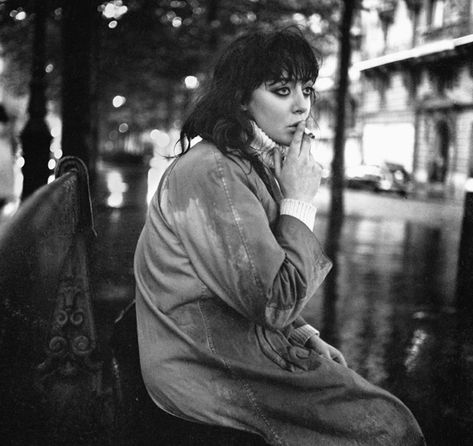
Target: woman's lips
[{"x": 310, "y": 133}]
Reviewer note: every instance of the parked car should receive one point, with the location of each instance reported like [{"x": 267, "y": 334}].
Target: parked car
[{"x": 389, "y": 177}]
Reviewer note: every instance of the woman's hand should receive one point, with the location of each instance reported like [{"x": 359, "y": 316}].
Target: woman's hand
[
  {"x": 326, "y": 350},
  {"x": 299, "y": 177}
]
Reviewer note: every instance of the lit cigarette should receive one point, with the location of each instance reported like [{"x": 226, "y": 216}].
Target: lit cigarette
[{"x": 309, "y": 133}]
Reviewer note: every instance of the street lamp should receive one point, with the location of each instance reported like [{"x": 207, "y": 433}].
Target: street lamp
[{"x": 36, "y": 137}]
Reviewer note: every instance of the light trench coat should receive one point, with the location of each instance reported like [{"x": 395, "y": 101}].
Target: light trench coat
[{"x": 221, "y": 281}]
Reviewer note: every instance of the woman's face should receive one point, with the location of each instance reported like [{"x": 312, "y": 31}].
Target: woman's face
[{"x": 277, "y": 107}]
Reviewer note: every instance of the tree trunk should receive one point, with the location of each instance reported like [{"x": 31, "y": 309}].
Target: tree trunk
[
  {"x": 336, "y": 212},
  {"x": 78, "y": 131},
  {"x": 338, "y": 162},
  {"x": 212, "y": 16}
]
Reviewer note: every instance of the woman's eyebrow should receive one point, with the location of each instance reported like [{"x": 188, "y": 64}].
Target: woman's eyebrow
[{"x": 281, "y": 80}]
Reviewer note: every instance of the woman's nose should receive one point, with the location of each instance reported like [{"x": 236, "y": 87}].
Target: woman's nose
[{"x": 301, "y": 103}]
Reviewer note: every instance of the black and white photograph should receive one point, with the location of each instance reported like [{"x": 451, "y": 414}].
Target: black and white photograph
[{"x": 236, "y": 222}]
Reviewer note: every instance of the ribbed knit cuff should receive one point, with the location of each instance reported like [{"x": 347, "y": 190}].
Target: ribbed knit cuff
[
  {"x": 303, "y": 333},
  {"x": 301, "y": 210}
]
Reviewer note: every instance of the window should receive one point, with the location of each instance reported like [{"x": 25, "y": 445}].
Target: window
[{"x": 436, "y": 13}]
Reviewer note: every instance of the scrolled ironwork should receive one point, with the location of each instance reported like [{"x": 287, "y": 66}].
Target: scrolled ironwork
[
  {"x": 81, "y": 345},
  {"x": 57, "y": 345},
  {"x": 77, "y": 318},
  {"x": 72, "y": 341},
  {"x": 62, "y": 318}
]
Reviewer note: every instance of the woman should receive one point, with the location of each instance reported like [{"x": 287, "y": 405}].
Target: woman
[{"x": 227, "y": 260}]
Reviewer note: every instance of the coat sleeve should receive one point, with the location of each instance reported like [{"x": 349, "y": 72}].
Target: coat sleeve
[{"x": 266, "y": 275}]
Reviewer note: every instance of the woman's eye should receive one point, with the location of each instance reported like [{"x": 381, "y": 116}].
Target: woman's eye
[
  {"x": 283, "y": 91},
  {"x": 308, "y": 91}
]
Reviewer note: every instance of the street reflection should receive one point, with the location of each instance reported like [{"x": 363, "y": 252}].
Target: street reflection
[
  {"x": 116, "y": 188},
  {"x": 386, "y": 272},
  {"x": 419, "y": 338},
  {"x": 331, "y": 295},
  {"x": 388, "y": 304}
]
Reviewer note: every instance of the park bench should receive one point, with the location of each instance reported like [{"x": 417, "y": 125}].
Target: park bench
[{"x": 59, "y": 384}]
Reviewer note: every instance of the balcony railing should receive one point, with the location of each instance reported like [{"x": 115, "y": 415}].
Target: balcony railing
[{"x": 447, "y": 31}]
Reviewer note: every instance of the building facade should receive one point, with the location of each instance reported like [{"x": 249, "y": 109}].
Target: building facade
[{"x": 416, "y": 90}]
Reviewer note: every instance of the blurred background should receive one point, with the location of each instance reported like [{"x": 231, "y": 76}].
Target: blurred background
[{"x": 111, "y": 82}]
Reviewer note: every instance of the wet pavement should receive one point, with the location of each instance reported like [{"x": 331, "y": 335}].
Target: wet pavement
[{"x": 389, "y": 303}]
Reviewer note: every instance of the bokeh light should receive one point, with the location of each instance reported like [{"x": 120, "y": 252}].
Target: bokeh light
[
  {"x": 116, "y": 188},
  {"x": 114, "y": 9},
  {"x": 176, "y": 22},
  {"x": 191, "y": 82},
  {"x": 118, "y": 101},
  {"x": 162, "y": 139}
]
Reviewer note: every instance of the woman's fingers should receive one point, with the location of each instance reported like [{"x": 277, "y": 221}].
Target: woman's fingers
[
  {"x": 295, "y": 147},
  {"x": 326, "y": 353},
  {"x": 301, "y": 141},
  {"x": 326, "y": 350},
  {"x": 306, "y": 145},
  {"x": 337, "y": 356},
  {"x": 299, "y": 177},
  {"x": 320, "y": 346}
]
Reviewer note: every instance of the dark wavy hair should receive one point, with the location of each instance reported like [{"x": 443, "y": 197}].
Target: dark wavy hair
[{"x": 249, "y": 61}]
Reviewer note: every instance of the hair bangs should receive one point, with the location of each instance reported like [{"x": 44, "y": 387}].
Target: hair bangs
[{"x": 286, "y": 58}]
